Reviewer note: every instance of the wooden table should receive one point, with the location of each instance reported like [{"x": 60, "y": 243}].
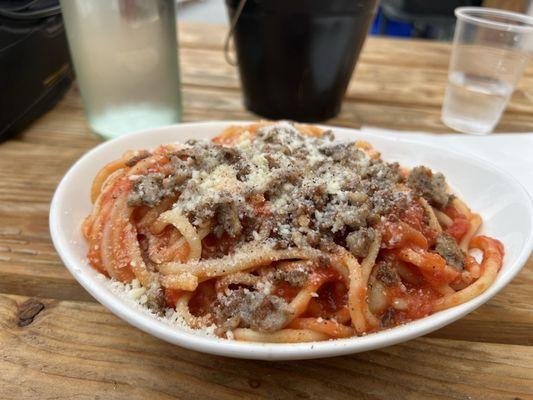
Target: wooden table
[{"x": 76, "y": 349}]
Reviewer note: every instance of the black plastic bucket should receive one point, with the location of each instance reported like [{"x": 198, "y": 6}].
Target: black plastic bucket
[{"x": 296, "y": 57}]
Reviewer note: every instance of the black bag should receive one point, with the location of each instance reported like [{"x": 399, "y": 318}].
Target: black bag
[{"x": 35, "y": 67}]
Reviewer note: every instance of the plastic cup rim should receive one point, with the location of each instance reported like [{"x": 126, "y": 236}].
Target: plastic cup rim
[{"x": 465, "y": 14}]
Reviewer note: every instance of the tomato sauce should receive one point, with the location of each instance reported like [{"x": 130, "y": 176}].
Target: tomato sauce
[
  {"x": 401, "y": 235},
  {"x": 286, "y": 291},
  {"x": 419, "y": 302},
  {"x": 460, "y": 224},
  {"x": 203, "y": 298},
  {"x": 415, "y": 216},
  {"x": 458, "y": 228},
  {"x": 213, "y": 247},
  {"x": 172, "y": 296},
  {"x": 332, "y": 296}
]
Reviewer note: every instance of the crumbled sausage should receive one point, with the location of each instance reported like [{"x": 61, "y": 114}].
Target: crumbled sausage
[
  {"x": 329, "y": 189},
  {"x": 227, "y": 220},
  {"x": 295, "y": 277},
  {"x": 138, "y": 157},
  {"x": 447, "y": 248},
  {"x": 147, "y": 190},
  {"x": 341, "y": 151},
  {"x": 247, "y": 309},
  {"x": 155, "y": 299},
  {"x": 386, "y": 273},
  {"x": 287, "y": 190},
  {"x": 428, "y": 185},
  {"x": 358, "y": 242},
  {"x": 174, "y": 183}
]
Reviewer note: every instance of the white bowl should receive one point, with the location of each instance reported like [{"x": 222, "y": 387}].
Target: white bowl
[{"x": 503, "y": 203}]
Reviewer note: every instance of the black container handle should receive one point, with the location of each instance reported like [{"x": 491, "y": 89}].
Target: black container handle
[
  {"x": 18, "y": 13},
  {"x": 233, "y": 24}
]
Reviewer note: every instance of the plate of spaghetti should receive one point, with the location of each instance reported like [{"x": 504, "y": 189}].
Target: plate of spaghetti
[{"x": 276, "y": 240}]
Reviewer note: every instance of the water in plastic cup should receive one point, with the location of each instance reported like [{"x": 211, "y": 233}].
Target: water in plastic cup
[
  {"x": 491, "y": 49},
  {"x": 126, "y": 62}
]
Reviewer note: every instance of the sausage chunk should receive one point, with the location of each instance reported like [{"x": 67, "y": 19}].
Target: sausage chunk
[
  {"x": 247, "y": 309},
  {"x": 428, "y": 185},
  {"x": 448, "y": 249},
  {"x": 359, "y": 242}
]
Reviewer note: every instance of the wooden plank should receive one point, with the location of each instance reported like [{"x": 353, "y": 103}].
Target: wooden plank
[
  {"x": 79, "y": 350},
  {"x": 404, "y": 85},
  {"x": 355, "y": 113},
  {"x": 512, "y": 5},
  {"x": 386, "y": 96},
  {"x": 378, "y": 50},
  {"x": 193, "y": 34}
]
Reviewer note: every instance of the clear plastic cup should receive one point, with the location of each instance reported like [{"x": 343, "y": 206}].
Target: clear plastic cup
[{"x": 491, "y": 49}]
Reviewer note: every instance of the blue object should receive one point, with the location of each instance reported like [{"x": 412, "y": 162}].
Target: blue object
[{"x": 384, "y": 26}]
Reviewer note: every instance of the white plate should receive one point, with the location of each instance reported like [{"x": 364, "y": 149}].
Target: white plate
[{"x": 503, "y": 203}]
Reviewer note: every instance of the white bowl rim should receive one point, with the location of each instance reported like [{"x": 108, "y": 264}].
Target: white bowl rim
[{"x": 276, "y": 351}]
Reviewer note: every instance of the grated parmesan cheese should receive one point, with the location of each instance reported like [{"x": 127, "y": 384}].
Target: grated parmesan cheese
[
  {"x": 280, "y": 189},
  {"x": 170, "y": 317}
]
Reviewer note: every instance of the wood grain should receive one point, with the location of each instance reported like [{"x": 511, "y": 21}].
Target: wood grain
[
  {"x": 115, "y": 361},
  {"x": 75, "y": 349},
  {"x": 385, "y": 84},
  {"x": 396, "y": 73},
  {"x": 512, "y": 5}
]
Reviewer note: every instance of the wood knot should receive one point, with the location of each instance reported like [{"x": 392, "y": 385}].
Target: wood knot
[
  {"x": 28, "y": 311},
  {"x": 254, "y": 383}
]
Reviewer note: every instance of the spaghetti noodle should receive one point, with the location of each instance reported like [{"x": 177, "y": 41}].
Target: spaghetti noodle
[{"x": 275, "y": 232}]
